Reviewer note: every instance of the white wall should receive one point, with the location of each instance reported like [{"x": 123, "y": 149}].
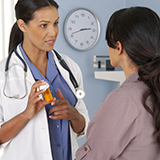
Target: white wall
[{"x": 6, "y": 18}]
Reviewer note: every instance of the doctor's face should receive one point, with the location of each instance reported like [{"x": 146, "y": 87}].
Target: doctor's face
[{"x": 42, "y": 31}]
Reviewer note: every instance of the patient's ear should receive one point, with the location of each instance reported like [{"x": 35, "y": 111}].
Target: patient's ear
[
  {"x": 119, "y": 48},
  {"x": 22, "y": 25}
]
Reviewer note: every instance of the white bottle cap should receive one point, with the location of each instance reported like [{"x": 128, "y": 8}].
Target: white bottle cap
[{"x": 44, "y": 86}]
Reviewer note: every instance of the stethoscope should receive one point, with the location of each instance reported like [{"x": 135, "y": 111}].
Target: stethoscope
[{"x": 80, "y": 94}]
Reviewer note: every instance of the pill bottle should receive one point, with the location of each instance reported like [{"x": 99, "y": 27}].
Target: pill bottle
[{"x": 47, "y": 94}]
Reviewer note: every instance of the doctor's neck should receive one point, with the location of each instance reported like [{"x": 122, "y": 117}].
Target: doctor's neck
[{"x": 35, "y": 55}]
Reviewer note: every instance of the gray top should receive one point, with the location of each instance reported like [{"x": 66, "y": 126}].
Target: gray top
[{"x": 121, "y": 128}]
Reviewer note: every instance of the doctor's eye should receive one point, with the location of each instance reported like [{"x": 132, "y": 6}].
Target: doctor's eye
[
  {"x": 44, "y": 25},
  {"x": 56, "y": 24}
]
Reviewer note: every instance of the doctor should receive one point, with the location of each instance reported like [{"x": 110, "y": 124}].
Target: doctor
[{"x": 31, "y": 128}]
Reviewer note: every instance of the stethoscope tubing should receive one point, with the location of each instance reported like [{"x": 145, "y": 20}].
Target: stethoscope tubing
[
  {"x": 6, "y": 74},
  {"x": 80, "y": 94},
  {"x": 9, "y": 57},
  {"x": 65, "y": 66}
]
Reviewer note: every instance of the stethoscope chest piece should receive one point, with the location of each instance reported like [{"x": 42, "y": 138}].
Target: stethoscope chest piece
[{"x": 80, "y": 94}]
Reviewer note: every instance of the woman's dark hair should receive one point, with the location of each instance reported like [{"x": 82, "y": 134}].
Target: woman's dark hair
[
  {"x": 25, "y": 9},
  {"x": 138, "y": 30}
]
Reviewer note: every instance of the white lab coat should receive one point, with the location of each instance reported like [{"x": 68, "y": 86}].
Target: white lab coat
[{"x": 33, "y": 142}]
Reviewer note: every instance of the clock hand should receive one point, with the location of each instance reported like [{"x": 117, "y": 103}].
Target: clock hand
[{"x": 83, "y": 29}]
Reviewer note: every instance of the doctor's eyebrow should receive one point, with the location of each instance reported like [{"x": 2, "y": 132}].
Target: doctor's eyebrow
[
  {"x": 57, "y": 19},
  {"x": 48, "y": 21}
]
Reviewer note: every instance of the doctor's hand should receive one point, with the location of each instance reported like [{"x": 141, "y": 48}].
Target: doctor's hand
[
  {"x": 35, "y": 103},
  {"x": 64, "y": 110}
]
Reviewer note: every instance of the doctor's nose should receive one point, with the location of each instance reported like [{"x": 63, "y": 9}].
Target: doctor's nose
[{"x": 53, "y": 31}]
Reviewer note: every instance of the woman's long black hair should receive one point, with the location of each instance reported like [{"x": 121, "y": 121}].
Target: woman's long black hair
[
  {"x": 25, "y": 9},
  {"x": 138, "y": 30}
]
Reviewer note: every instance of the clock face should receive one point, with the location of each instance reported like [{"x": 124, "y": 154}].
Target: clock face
[{"x": 81, "y": 29}]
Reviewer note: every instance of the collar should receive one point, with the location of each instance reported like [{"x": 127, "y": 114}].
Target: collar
[{"x": 133, "y": 77}]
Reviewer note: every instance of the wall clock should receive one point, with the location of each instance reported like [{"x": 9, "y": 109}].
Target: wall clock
[{"x": 81, "y": 29}]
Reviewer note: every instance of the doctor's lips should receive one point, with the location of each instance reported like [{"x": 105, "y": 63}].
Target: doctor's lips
[
  {"x": 50, "y": 42},
  {"x": 47, "y": 94}
]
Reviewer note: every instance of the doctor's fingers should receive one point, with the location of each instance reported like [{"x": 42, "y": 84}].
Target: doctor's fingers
[
  {"x": 58, "y": 109},
  {"x": 59, "y": 117},
  {"x": 33, "y": 107},
  {"x": 59, "y": 114},
  {"x": 61, "y": 102},
  {"x": 61, "y": 105},
  {"x": 63, "y": 114},
  {"x": 36, "y": 94},
  {"x": 35, "y": 97},
  {"x": 67, "y": 112},
  {"x": 36, "y": 85}
]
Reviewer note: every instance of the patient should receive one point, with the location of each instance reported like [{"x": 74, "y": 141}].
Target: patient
[{"x": 127, "y": 124}]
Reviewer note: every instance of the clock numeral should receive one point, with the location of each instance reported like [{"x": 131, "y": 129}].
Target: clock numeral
[
  {"x": 91, "y": 37},
  {"x": 76, "y": 41},
  {"x": 92, "y": 23},
  {"x": 73, "y": 21},
  {"x": 72, "y": 35},
  {"x": 81, "y": 44},
  {"x": 70, "y": 28},
  {"x": 77, "y": 16},
  {"x": 87, "y": 42},
  {"x": 82, "y": 14}
]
